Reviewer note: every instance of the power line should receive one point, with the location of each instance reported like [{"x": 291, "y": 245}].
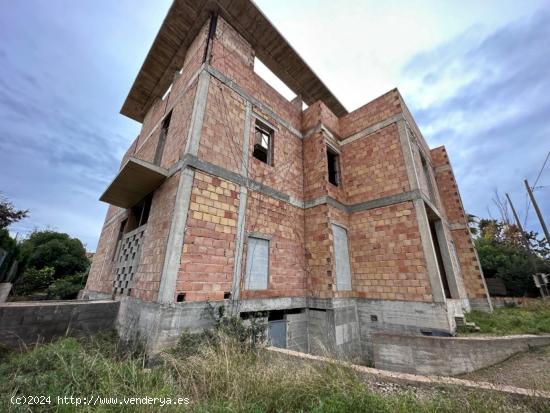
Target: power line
[
  {"x": 534, "y": 187},
  {"x": 541, "y": 169}
]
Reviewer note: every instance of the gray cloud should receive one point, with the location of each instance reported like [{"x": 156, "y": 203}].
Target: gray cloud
[{"x": 496, "y": 123}]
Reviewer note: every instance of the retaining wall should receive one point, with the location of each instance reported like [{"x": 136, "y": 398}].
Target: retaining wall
[
  {"x": 25, "y": 323},
  {"x": 447, "y": 356}
]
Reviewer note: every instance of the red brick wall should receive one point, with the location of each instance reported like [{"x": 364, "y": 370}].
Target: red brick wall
[
  {"x": 319, "y": 113},
  {"x": 100, "y": 277},
  {"x": 206, "y": 270},
  {"x": 284, "y": 223},
  {"x": 234, "y": 57},
  {"x": 222, "y": 131},
  {"x": 153, "y": 248},
  {"x": 319, "y": 260},
  {"x": 386, "y": 254},
  {"x": 450, "y": 198},
  {"x": 373, "y": 112},
  {"x": 374, "y": 167}
]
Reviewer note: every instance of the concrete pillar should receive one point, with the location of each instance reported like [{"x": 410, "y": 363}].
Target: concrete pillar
[{"x": 174, "y": 247}]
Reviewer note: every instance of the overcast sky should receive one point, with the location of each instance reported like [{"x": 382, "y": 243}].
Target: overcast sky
[{"x": 476, "y": 76}]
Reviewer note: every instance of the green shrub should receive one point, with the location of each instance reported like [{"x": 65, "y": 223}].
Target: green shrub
[
  {"x": 524, "y": 319},
  {"x": 66, "y": 288},
  {"x": 34, "y": 281}
]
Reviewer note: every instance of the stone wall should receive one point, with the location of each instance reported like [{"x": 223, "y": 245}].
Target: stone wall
[
  {"x": 447, "y": 356},
  {"x": 25, "y": 323}
]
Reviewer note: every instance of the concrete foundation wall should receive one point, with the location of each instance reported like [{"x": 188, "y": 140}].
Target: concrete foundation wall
[
  {"x": 398, "y": 316},
  {"x": 26, "y": 323},
  {"x": 297, "y": 331},
  {"x": 160, "y": 326},
  {"x": 447, "y": 356}
]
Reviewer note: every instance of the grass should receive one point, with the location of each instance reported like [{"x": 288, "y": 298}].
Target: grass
[
  {"x": 220, "y": 375},
  {"x": 525, "y": 319}
]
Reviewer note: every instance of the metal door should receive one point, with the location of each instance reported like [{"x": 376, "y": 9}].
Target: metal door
[{"x": 277, "y": 333}]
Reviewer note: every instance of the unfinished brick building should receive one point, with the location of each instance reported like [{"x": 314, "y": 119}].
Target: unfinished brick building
[{"x": 335, "y": 225}]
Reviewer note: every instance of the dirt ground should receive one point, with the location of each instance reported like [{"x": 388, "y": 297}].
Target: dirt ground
[{"x": 529, "y": 370}]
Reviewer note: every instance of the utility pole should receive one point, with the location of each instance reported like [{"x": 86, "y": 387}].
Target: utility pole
[
  {"x": 518, "y": 223},
  {"x": 537, "y": 210}
]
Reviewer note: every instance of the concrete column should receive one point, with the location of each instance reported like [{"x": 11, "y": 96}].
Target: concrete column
[
  {"x": 438, "y": 292},
  {"x": 452, "y": 273},
  {"x": 174, "y": 246},
  {"x": 241, "y": 215},
  {"x": 408, "y": 156}
]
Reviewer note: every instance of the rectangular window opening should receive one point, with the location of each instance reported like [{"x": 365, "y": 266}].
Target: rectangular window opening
[
  {"x": 333, "y": 160},
  {"x": 257, "y": 264},
  {"x": 162, "y": 138},
  {"x": 263, "y": 143}
]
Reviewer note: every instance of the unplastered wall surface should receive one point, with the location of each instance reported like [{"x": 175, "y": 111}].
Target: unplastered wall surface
[
  {"x": 319, "y": 261},
  {"x": 153, "y": 247},
  {"x": 234, "y": 57},
  {"x": 207, "y": 260},
  {"x": 387, "y": 258},
  {"x": 465, "y": 248},
  {"x": 374, "y": 167},
  {"x": 373, "y": 112},
  {"x": 223, "y": 126},
  {"x": 283, "y": 225}
]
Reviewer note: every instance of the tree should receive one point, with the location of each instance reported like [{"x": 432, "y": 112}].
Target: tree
[
  {"x": 54, "y": 249},
  {"x": 503, "y": 254},
  {"x": 8, "y": 213}
]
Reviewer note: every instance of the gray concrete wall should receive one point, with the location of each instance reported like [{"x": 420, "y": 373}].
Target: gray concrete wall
[
  {"x": 398, "y": 316},
  {"x": 26, "y": 323},
  {"x": 297, "y": 331},
  {"x": 447, "y": 356},
  {"x": 5, "y": 289},
  {"x": 160, "y": 325}
]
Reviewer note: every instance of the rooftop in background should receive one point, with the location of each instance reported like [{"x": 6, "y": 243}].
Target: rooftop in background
[{"x": 179, "y": 28}]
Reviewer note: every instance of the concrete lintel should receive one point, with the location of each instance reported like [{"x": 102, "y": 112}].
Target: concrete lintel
[
  {"x": 267, "y": 304},
  {"x": 438, "y": 293},
  {"x": 263, "y": 107},
  {"x": 442, "y": 168},
  {"x": 385, "y": 201},
  {"x": 262, "y": 119},
  {"x": 260, "y": 235}
]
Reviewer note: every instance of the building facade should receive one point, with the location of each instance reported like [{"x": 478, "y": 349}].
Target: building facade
[{"x": 334, "y": 225}]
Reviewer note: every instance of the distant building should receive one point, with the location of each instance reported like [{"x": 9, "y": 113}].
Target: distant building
[{"x": 335, "y": 224}]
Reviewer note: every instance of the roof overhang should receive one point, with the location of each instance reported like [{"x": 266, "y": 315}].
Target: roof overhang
[
  {"x": 134, "y": 181},
  {"x": 180, "y": 27}
]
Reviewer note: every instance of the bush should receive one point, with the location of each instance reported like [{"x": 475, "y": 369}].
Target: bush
[
  {"x": 54, "y": 249},
  {"x": 34, "y": 281},
  {"x": 66, "y": 288}
]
